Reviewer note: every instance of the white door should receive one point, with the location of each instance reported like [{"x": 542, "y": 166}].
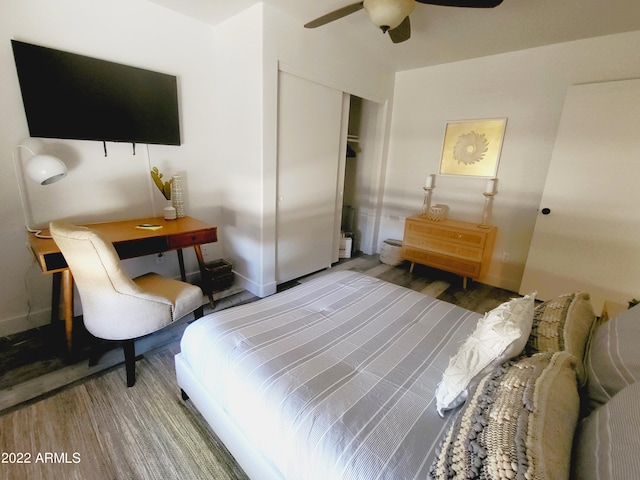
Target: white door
[
  {"x": 589, "y": 239},
  {"x": 309, "y": 133}
]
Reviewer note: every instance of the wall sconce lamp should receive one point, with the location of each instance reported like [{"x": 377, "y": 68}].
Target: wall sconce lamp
[{"x": 42, "y": 169}]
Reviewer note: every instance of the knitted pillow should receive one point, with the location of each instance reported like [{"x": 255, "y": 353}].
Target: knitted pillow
[
  {"x": 518, "y": 423},
  {"x": 564, "y": 323}
]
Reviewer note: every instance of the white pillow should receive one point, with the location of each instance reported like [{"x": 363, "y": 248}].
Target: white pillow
[{"x": 499, "y": 336}]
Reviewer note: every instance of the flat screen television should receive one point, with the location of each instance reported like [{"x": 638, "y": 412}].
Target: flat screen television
[{"x": 72, "y": 96}]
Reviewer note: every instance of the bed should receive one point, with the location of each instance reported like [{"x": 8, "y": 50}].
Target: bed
[{"x": 351, "y": 377}]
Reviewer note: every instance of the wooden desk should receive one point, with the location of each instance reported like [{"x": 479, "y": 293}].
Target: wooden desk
[{"x": 129, "y": 242}]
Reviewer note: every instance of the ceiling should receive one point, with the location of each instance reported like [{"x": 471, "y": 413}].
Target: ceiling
[{"x": 446, "y": 34}]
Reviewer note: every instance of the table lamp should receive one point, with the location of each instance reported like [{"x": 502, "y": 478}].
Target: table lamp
[{"x": 43, "y": 169}]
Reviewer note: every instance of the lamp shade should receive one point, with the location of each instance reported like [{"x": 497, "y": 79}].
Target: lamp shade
[
  {"x": 388, "y": 14},
  {"x": 45, "y": 169}
]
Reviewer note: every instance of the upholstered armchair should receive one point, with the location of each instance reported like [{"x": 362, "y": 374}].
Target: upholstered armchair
[{"x": 115, "y": 306}]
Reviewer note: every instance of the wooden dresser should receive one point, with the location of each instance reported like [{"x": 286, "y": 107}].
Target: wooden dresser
[{"x": 451, "y": 245}]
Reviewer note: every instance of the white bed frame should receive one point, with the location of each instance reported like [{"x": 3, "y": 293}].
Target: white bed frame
[{"x": 248, "y": 457}]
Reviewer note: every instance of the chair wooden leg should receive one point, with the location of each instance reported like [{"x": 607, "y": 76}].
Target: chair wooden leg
[{"x": 130, "y": 361}]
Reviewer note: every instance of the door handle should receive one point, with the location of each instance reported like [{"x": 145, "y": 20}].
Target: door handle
[{"x": 546, "y": 211}]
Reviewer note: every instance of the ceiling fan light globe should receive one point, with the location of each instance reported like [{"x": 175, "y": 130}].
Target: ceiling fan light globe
[{"x": 388, "y": 14}]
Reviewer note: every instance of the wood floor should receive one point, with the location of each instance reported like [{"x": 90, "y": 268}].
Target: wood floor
[{"x": 35, "y": 363}]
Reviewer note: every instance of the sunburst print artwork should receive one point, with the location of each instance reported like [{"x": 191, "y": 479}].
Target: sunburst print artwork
[{"x": 472, "y": 147}]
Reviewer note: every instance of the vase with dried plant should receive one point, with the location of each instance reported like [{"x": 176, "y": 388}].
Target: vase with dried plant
[{"x": 165, "y": 189}]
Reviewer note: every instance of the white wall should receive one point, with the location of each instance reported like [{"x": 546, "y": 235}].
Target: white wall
[
  {"x": 250, "y": 49},
  {"x": 227, "y": 79},
  {"x": 239, "y": 125},
  {"x": 228, "y": 96},
  {"x": 137, "y": 33},
  {"x": 529, "y": 88}
]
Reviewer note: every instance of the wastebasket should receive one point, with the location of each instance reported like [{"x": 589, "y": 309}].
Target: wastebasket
[
  {"x": 391, "y": 252},
  {"x": 216, "y": 277}
]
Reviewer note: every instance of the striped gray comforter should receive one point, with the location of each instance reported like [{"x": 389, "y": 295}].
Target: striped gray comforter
[{"x": 334, "y": 378}]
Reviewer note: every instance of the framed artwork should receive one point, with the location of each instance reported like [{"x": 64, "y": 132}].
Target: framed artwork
[{"x": 472, "y": 147}]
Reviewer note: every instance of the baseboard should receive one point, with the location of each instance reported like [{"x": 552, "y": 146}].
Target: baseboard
[
  {"x": 259, "y": 290},
  {"x": 31, "y": 320},
  {"x": 501, "y": 282},
  {"x": 10, "y": 326}
]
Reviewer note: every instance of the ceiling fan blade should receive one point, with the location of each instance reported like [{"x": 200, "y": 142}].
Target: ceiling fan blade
[
  {"x": 335, "y": 15},
  {"x": 402, "y": 32},
  {"x": 463, "y": 3}
]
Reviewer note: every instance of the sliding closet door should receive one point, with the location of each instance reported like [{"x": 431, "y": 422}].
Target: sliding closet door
[{"x": 309, "y": 129}]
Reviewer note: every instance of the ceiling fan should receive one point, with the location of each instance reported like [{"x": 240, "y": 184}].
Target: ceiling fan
[{"x": 392, "y": 16}]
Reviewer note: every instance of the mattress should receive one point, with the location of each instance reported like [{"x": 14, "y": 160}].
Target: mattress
[{"x": 334, "y": 378}]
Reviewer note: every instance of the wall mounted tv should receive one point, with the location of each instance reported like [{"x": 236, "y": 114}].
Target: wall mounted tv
[{"x": 72, "y": 96}]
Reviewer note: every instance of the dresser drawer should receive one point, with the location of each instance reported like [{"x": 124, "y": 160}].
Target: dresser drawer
[
  {"x": 460, "y": 266},
  {"x": 445, "y": 247},
  {"x": 437, "y": 231},
  {"x": 459, "y": 247},
  {"x": 193, "y": 238}
]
